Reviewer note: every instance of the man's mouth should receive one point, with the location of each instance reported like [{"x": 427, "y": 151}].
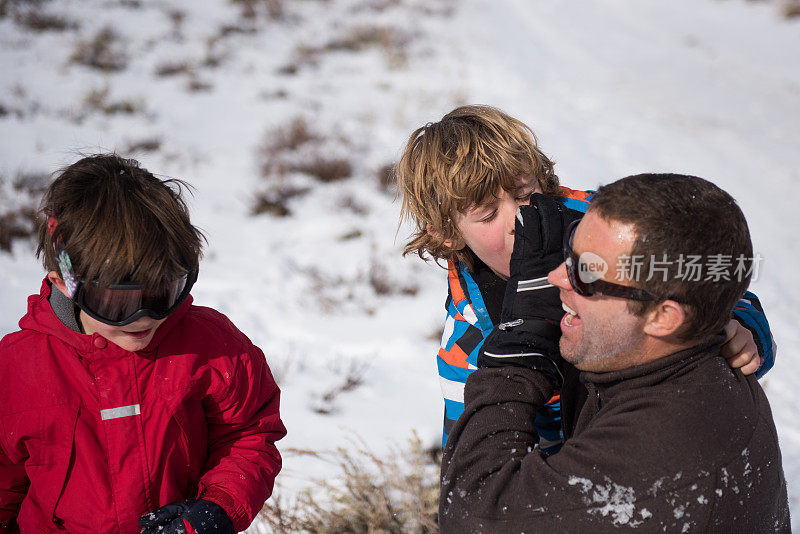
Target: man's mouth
[{"x": 571, "y": 318}]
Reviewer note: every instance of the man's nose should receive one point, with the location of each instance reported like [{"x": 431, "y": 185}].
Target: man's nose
[{"x": 558, "y": 277}]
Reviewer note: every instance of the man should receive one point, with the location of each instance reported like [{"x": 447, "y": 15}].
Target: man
[{"x": 669, "y": 438}]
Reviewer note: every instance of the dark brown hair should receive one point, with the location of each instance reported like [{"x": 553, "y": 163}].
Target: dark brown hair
[
  {"x": 464, "y": 160},
  {"x": 118, "y": 223},
  {"x": 677, "y": 216}
]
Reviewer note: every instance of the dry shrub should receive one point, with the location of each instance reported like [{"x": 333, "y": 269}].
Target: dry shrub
[
  {"x": 173, "y": 68},
  {"x": 398, "y": 494},
  {"x": 98, "y": 100},
  {"x": 274, "y": 201},
  {"x": 196, "y": 85},
  {"x": 324, "y": 168},
  {"x": 352, "y": 378},
  {"x": 103, "y": 52},
  {"x": 791, "y": 9},
  {"x": 38, "y": 21},
  {"x": 383, "y": 285},
  {"x": 151, "y": 144},
  {"x": 391, "y": 40},
  {"x": 251, "y": 9},
  {"x": 18, "y": 204},
  {"x": 387, "y": 179},
  {"x": 294, "y": 149}
]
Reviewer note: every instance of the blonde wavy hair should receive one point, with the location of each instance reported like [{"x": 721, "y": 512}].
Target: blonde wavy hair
[{"x": 459, "y": 162}]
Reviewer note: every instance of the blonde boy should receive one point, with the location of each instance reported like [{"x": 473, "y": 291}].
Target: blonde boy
[{"x": 462, "y": 180}]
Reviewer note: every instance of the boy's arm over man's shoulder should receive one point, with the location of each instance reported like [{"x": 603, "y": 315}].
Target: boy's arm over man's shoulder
[
  {"x": 750, "y": 314},
  {"x": 243, "y": 425}
]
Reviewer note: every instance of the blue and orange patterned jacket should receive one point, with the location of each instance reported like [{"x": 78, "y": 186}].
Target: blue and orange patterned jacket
[{"x": 468, "y": 323}]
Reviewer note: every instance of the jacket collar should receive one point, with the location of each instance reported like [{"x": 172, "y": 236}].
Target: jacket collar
[{"x": 657, "y": 371}]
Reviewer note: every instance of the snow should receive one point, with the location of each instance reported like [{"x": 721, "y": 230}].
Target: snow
[{"x": 611, "y": 88}]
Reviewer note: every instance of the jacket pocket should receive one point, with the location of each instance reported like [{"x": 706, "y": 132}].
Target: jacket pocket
[{"x": 44, "y": 440}]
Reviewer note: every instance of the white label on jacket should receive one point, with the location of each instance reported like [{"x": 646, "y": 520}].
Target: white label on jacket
[{"x": 122, "y": 411}]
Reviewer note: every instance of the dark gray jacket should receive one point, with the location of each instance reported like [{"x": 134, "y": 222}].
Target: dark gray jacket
[{"x": 681, "y": 444}]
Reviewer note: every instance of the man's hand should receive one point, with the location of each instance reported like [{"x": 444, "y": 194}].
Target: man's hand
[
  {"x": 528, "y": 332},
  {"x": 187, "y": 517},
  {"x": 740, "y": 349}
]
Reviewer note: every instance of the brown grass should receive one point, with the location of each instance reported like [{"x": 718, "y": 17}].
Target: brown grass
[
  {"x": 387, "y": 180},
  {"x": 391, "y": 40},
  {"x": 19, "y": 221},
  {"x": 173, "y": 68},
  {"x": 38, "y": 21},
  {"x": 791, "y": 9},
  {"x": 103, "y": 52},
  {"x": 279, "y": 154},
  {"x": 396, "y": 494},
  {"x": 274, "y": 201}
]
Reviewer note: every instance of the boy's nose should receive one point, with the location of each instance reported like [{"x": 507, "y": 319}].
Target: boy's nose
[{"x": 511, "y": 218}]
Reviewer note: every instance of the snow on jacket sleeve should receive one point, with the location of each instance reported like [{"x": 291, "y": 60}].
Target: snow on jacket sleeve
[
  {"x": 624, "y": 469},
  {"x": 243, "y": 426}
]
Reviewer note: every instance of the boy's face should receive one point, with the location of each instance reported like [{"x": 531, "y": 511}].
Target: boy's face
[
  {"x": 488, "y": 229},
  {"x": 131, "y": 337}
]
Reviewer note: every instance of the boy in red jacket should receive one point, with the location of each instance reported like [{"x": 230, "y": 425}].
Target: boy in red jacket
[{"x": 124, "y": 407}]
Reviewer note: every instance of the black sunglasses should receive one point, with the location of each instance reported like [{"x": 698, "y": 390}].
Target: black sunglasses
[{"x": 587, "y": 289}]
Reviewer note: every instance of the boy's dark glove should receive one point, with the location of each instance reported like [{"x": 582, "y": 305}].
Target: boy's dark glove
[
  {"x": 200, "y": 516},
  {"x": 529, "y": 331}
]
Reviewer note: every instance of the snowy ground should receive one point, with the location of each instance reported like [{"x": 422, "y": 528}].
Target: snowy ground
[{"x": 610, "y": 87}]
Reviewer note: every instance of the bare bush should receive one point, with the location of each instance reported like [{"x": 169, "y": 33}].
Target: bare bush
[
  {"x": 324, "y": 168},
  {"x": 383, "y": 285},
  {"x": 38, "y": 21},
  {"x": 390, "y": 39},
  {"x": 294, "y": 148},
  {"x": 791, "y": 9},
  {"x": 274, "y": 201},
  {"x": 352, "y": 378},
  {"x": 173, "y": 68},
  {"x": 398, "y": 494},
  {"x": 98, "y": 100},
  {"x": 196, "y": 85},
  {"x": 387, "y": 179},
  {"x": 251, "y": 9},
  {"x": 18, "y": 204},
  {"x": 103, "y": 52},
  {"x": 150, "y": 144}
]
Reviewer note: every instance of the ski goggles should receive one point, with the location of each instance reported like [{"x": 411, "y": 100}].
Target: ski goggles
[
  {"x": 123, "y": 303},
  {"x": 587, "y": 289}
]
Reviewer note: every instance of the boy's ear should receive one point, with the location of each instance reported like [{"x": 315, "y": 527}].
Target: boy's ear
[
  {"x": 665, "y": 320},
  {"x": 449, "y": 243},
  {"x": 57, "y": 282}
]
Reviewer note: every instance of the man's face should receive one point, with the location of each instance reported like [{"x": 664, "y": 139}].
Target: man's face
[
  {"x": 599, "y": 334},
  {"x": 131, "y": 337},
  {"x": 488, "y": 229}
]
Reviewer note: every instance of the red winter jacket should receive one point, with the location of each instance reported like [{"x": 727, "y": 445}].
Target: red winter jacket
[{"x": 93, "y": 436}]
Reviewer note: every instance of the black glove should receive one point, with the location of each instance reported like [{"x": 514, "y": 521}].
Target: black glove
[
  {"x": 205, "y": 517},
  {"x": 529, "y": 331}
]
